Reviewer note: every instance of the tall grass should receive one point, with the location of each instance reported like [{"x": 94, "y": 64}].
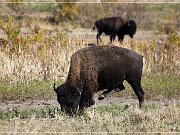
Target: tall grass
[
  {"x": 25, "y": 59},
  {"x": 43, "y": 57}
]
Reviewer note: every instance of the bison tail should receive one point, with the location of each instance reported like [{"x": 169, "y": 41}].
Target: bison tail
[{"x": 94, "y": 27}]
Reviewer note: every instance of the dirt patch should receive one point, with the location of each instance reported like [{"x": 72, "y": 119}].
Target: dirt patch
[{"x": 107, "y": 101}]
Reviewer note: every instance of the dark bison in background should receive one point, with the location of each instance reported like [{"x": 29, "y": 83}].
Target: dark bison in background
[
  {"x": 97, "y": 68},
  {"x": 115, "y": 26}
]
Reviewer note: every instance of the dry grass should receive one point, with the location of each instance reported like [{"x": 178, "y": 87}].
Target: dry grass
[
  {"x": 41, "y": 57},
  {"x": 104, "y": 119},
  {"x": 44, "y": 56}
]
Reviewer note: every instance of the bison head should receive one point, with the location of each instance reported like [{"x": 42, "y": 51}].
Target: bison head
[
  {"x": 130, "y": 28},
  {"x": 68, "y": 98}
]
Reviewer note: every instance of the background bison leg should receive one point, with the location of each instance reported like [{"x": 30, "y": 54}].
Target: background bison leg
[
  {"x": 120, "y": 38},
  {"x": 112, "y": 37},
  {"x": 98, "y": 37},
  {"x": 138, "y": 91}
]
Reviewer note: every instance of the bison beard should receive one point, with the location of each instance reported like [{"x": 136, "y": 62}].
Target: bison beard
[
  {"x": 96, "y": 68},
  {"x": 115, "y": 26}
]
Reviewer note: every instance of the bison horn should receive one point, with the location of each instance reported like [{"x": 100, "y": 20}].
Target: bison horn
[
  {"x": 54, "y": 87},
  {"x": 79, "y": 91}
]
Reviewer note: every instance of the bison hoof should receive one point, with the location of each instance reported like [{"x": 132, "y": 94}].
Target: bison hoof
[
  {"x": 119, "y": 88},
  {"x": 101, "y": 97}
]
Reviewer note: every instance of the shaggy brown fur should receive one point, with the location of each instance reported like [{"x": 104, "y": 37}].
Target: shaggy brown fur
[{"x": 96, "y": 68}]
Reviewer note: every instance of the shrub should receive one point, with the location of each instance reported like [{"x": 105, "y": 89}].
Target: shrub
[{"x": 18, "y": 7}]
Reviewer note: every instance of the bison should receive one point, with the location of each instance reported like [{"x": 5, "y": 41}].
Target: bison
[
  {"x": 96, "y": 68},
  {"x": 115, "y": 26}
]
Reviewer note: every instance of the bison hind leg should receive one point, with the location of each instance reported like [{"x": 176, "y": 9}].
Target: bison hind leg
[
  {"x": 98, "y": 37},
  {"x": 104, "y": 94},
  {"x": 140, "y": 94},
  {"x": 120, "y": 87},
  {"x": 136, "y": 85}
]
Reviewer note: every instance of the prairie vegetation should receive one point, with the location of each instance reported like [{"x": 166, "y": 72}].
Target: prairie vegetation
[
  {"x": 103, "y": 119},
  {"x": 36, "y": 44}
]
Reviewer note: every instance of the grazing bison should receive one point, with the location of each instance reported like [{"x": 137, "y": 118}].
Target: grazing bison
[
  {"x": 115, "y": 26},
  {"x": 97, "y": 68}
]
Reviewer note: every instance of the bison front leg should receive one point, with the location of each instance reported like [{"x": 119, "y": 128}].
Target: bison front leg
[
  {"x": 112, "y": 37},
  {"x": 87, "y": 96},
  {"x": 121, "y": 38},
  {"x": 85, "y": 103}
]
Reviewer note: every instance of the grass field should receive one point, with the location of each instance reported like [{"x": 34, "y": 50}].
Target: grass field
[
  {"x": 35, "y": 53},
  {"x": 24, "y": 78},
  {"x": 103, "y": 119},
  {"x": 155, "y": 87}
]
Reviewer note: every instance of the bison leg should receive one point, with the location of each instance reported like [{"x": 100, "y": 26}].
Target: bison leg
[
  {"x": 120, "y": 38},
  {"x": 98, "y": 37},
  {"x": 112, "y": 37},
  {"x": 120, "y": 87},
  {"x": 84, "y": 103},
  {"x": 103, "y": 95},
  {"x": 138, "y": 91},
  {"x": 87, "y": 99}
]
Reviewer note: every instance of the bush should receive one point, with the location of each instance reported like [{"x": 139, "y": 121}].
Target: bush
[
  {"x": 18, "y": 7},
  {"x": 11, "y": 29},
  {"x": 63, "y": 12}
]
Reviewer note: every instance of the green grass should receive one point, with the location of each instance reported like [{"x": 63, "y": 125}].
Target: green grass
[
  {"x": 38, "y": 112},
  {"x": 165, "y": 86},
  {"x": 27, "y": 90},
  {"x": 50, "y": 111},
  {"x": 155, "y": 87},
  {"x": 42, "y": 7},
  {"x": 163, "y": 7}
]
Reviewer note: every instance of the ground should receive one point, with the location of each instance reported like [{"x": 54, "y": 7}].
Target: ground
[{"x": 28, "y": 104}]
